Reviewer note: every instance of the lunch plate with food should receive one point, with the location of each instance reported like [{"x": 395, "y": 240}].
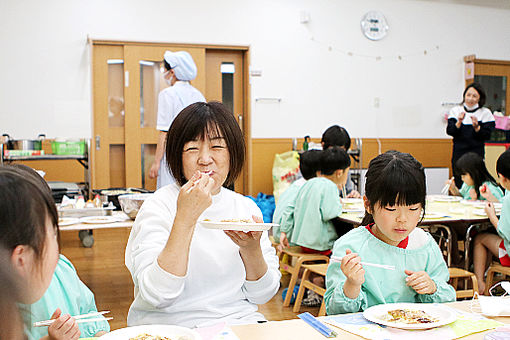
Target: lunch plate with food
[
  {"x": 63, "y": 221},
  {"x": 100, "y": 219},
  {"x": 237, "y": 224},
  {"x": 433, "y": 215},
  {"x": 411, "y": 315},
  {"x": 152, "y": 332},
  {"x": 350, "y": 200}
]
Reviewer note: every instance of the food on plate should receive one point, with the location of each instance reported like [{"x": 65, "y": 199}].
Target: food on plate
[
  {"x": 146, "y": 336},
  {"x": 238, "y": 220},
  {"x": 409, "y": 316}
]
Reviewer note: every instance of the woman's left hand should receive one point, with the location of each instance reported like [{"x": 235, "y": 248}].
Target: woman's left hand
[
  {"x": 420, "y": 282},
  {"x": 476, "y": 125},
  {"x": 246, "y": 240}
]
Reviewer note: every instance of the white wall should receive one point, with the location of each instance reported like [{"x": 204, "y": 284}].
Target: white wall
[{"x": 45, "y": 65}]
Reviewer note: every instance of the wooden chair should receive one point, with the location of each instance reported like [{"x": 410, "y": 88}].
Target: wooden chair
[
  {"x": 287, "y": 256},
  {"x": 319, "y": 269},
  {"x": 458, "y": 273},
  {"x": 495, "y": 267}
]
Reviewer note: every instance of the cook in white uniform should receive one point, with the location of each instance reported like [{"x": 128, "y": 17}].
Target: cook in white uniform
[{"x": 179, "y": 70}]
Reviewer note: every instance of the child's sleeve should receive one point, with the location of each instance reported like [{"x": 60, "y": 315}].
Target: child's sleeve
[
  {"x": 438, "y": 272},
  {"x": 503, "y": 228},
  {"x": 330, "y": 206},
  {"x": 88, "y": 305},
  {"x": 287, "y": 219},
  {"x": 335, "y": 299}
]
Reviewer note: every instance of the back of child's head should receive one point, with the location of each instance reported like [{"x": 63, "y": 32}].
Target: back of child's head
[
  {"x": 336, "y": 136},
  {"x": 25, "y": 206},
  {"x": 472, "y": 163},
  {"x": 309, "y": 163},
  {"x": 503, "y": 164},
  {"x": 394, "y": 178},
  {"x": 332, "y": 159}
]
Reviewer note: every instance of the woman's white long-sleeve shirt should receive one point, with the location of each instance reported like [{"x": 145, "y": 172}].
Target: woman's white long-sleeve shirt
[{"x": 214, "y": 288}]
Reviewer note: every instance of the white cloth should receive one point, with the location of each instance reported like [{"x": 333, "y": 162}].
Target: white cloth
[
  {"x": 182, "y": 63},
  {"x": 170, "y": 102},
  {"x": 215, "y": 288},
  {"x": 483, "y": 115}
]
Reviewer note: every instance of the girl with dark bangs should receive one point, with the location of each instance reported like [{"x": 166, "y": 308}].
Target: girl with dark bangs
[
  {"x": 395, "y": 205},
  {"x": 477, "y": 182},
  {"x": 185, "y": 274}
]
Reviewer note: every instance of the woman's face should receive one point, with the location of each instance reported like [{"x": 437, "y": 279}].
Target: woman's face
[
  {"x": 40, "y": 271},
  {"x": 208, "y": 155},
  {"x": 471, "y": 97}
]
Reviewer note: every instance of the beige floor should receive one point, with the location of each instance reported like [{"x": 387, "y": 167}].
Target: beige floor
[{"x": 102, "y": 269}]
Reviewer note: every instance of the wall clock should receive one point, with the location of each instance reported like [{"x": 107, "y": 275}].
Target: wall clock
[{"x": 374, "y": 25}]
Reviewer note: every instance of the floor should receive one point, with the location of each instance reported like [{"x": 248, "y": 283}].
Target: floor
[{"x": 102, "y": 269}]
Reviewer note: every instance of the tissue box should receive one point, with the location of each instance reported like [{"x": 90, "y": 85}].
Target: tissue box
[{"x": 502, "y": 123}]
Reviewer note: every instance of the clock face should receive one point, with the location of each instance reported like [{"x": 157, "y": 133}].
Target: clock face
[{"x": 374, "y": 25}]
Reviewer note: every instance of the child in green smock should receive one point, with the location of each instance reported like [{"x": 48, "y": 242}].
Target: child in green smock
[
  {"x": 394, "y": 203},
  {"x": 284, "y": 212},
  {"x": 318, "y": 203},
  {"x": 487, "y": 245},
  {"x": 478, "y": 183}
]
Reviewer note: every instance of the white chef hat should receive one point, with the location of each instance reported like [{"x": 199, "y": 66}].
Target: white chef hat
[{"x": 182, "y": 63}]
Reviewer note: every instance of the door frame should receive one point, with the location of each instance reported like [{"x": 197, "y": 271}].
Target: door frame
[{"x": 245, "y": 49}]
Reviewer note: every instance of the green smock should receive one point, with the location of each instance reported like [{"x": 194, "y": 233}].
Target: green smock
[{"x": 494, "y": 189}]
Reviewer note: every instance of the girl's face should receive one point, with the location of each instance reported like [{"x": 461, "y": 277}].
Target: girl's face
[
  {"x": 40, "y": 270},
  {"x": 471, "y": 97},
  {"x": 466, "y": 178},
  {"x": 394, "y": 223},
  {"x": 505, "y": 182},
  {"x": 208, "y": 155}
]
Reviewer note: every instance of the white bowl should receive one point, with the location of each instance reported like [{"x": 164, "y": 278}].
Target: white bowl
[{"x": 131, "y": 203}]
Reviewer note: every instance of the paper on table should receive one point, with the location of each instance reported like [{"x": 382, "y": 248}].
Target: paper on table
[{"x": 219, "y": 331}]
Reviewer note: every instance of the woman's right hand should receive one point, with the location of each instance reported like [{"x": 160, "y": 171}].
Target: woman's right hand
[
  {"x": 64, "y": 327},
  {"x": 460, "y": 118},
  {"x": 194, "y": 197},
  {"x": 153, "y": 172}
]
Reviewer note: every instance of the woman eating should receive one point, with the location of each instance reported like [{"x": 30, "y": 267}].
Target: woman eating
[{"x": 185, "y": 274}]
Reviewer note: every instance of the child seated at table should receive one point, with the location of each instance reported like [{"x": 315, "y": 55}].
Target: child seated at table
[
  {"x": 308, "y": 165},
  {"x": 338, "y": 136},
  {"x": 29, "y": 229},
  {"x": 394, "y": 203},
  {"x": 478, "y": 183},
  {"x": 487, "y": 244}
]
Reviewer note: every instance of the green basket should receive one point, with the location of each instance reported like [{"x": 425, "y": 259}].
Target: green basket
[{"x": 68, "y": 148}]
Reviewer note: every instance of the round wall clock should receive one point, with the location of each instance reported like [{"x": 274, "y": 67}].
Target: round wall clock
[{"x": 374, "y": 25}]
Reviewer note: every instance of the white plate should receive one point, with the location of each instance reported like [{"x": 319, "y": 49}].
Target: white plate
[
  {"x": 350, "y": 200},
  {"x": 99, "y": 219},
  {"x": 433, "y": 215},
  {"x": 474, "y": 203},
  {"x": 458, "y": 211},
  {"x": 444, "y": 198},
  {"x": 240, "y": 226},
  {"x": 173, "y": 332},
  {"x": 444, "y": 314},
  {"x": 353, "y": 209},
  {"x": 63, "y": 221},
  {"x": 479, "y": 212}
]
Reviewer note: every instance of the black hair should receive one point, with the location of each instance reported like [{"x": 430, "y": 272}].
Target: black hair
[
  {"x": 394, "y": 178},
  {"x": 472, "y": 163},
  {"x": 25, "y": 204},
  {"x": 167, "y": 65},
  {"x": 200, "y": 121},
  {"x": 332, "y": 159},
  {"x": 309, "y": 163},
  {"x": 336, "y": 136},
  {"x": 503, "y": 164},
  {"x": 478, "y": 87}
]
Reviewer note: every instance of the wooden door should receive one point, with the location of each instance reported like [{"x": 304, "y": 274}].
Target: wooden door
[
  {"x": 494, "y": 75},
  {"x": 225, "y": 82}
]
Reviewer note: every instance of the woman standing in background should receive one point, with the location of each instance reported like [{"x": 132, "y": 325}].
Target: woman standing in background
[{"x": 470, "y": 124}]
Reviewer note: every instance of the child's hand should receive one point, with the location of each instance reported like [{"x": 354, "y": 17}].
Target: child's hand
[
  {"x": 284, "y": 241},
  {"x": 420, "y": 282},
  {"x": 352, "y": 269},
  {"x": 354, "y": 194},
  {"x": 490, "y": 210},
  {"x": 64, "y": 327},
  {"x": 472, "y": 194}
]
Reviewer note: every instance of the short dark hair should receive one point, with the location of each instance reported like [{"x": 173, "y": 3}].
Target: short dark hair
[
  {"x": 24, "y": 207},
  {"x": 332, "y": 159},
  {"x": 309, "y": 163},
  {"x": 205, "y": 120},
  {"x": 167, "y": 65},
  {"x": 503, "y": 164},
  {"x": 336, "y": 136},
  {"x": 473, "y": 164},
  {"x": 478, "y": 87},
  {"x": 394, "y": 178}
]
